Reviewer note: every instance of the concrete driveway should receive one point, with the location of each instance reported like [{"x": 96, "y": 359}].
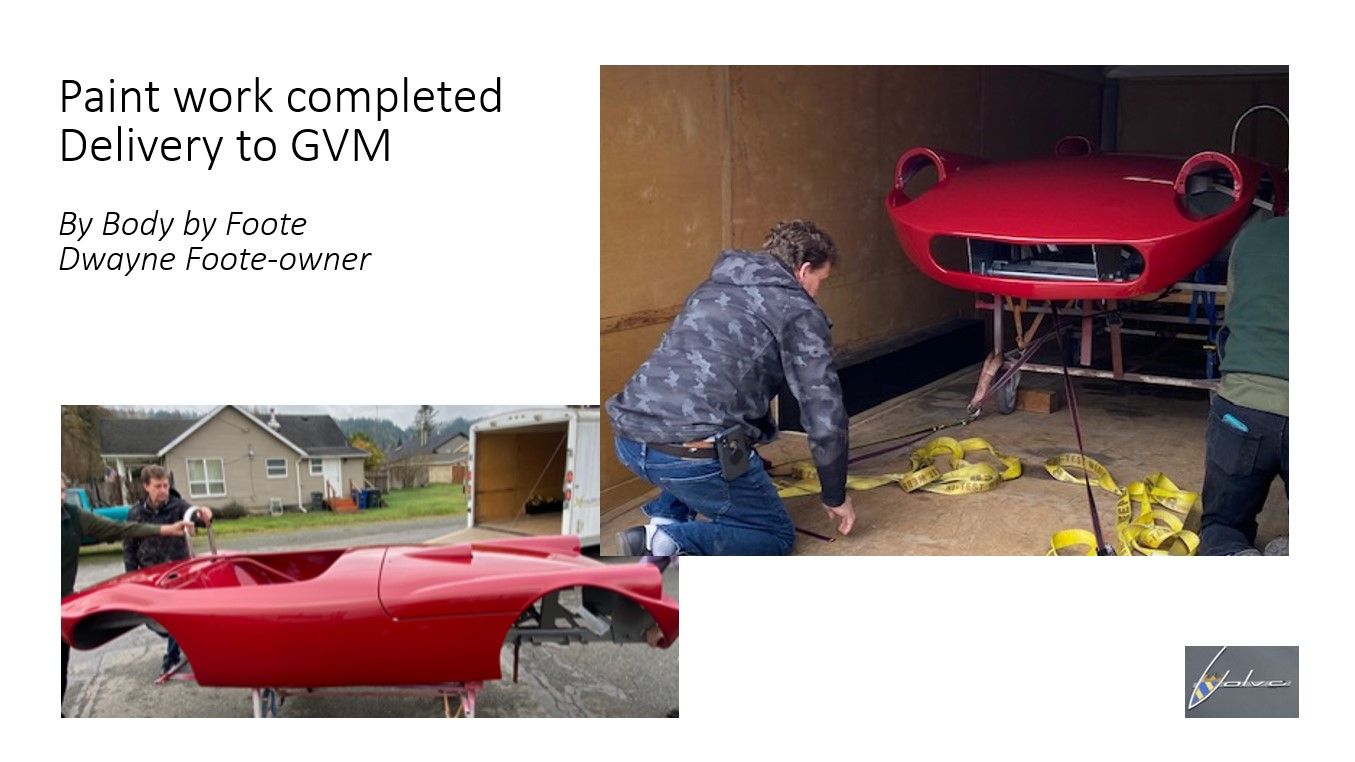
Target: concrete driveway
[{"x": 596, "y": 680}]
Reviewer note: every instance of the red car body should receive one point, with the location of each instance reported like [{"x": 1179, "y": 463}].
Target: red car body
[
  {"x": 1133, "y": 208},
  {"x": 371, "y": 616}
]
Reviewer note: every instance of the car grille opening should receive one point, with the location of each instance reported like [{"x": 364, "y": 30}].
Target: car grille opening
[{"x": 1043, "y": 261}]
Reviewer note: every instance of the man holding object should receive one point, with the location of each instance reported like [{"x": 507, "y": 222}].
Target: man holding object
[{"x": 77, "y": 523}]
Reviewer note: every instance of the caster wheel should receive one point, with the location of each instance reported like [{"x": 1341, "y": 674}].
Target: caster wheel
[{"x": 1006, "y": 395}]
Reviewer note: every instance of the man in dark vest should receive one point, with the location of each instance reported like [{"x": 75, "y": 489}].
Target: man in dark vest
[
  {"x": 1247, "y": 440},
  {"x": 161, "y": 505}
]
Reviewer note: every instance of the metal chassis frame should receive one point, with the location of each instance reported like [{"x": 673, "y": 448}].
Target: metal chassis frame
[
  {"x": 1000, "y": 304},
  {"x": 267, "y": 701}
]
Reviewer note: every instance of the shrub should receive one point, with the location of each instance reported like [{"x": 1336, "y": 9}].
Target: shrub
[{"x": 231, "y": 510}]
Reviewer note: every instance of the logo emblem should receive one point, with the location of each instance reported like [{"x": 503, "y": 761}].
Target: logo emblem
[
  {"x": 1210, "y": 683},
  {"x": 1207, "y": 684},
  {"x": 1204, "y": 688}
]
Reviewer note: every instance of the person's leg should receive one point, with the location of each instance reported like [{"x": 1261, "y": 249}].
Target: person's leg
[
  {"x": 746, "y": 516},
  {"x": 637, "y": 457},
  {"x": 664, "y": 510},
  {"x": 667, "y": 508},
  {"x": 1240, "y": 465},
  {"x": 1284, "y": 456},
  {"x": 65, "y": 662},
  {"x": 172, "y": 654}
]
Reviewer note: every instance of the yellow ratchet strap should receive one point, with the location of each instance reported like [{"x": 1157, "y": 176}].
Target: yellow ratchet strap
[
  {"x": 962, "y": 478},
  {"x": 1150, "y": 516}
]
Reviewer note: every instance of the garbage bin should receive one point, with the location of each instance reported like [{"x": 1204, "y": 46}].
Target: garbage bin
[
  {"x": 363, "y": 496},
  {"x": 318, "y": 501}
]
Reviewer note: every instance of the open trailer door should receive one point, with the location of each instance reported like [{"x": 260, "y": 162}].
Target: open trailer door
[
  {"x": 582, "y": 514},
  {"x": 535, "y": 472}
]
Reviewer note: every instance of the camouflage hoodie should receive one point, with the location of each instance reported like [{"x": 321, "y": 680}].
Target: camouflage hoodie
[{"x": 741, "y": 333}]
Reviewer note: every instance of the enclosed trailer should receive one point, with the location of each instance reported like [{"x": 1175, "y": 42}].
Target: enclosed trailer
[{"x": 535, "y": 472}]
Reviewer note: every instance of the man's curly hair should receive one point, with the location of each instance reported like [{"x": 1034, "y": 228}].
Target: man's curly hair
[{"x": 794, "y": 242}]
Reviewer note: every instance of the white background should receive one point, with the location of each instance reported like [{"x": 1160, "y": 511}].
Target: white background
[{"x": 485, "y": 285}]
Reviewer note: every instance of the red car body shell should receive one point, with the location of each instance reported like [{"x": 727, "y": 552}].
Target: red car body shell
[
  {"x": 372, "y": 616},
  {"x": 1080, "y": 198}
]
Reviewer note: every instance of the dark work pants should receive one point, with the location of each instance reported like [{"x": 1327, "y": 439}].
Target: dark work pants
[{"x": 1240, "y": 466}]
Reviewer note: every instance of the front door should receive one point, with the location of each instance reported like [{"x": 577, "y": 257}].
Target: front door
[{"x": 333, "y": 468}]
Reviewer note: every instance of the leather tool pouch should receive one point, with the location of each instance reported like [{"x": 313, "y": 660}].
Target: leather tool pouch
[{"x": 732, "y": 447}]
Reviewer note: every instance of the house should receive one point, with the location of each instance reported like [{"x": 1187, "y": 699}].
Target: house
[
  {"x": 231, "y": 456},
  {"x": 432, "y": 460}
]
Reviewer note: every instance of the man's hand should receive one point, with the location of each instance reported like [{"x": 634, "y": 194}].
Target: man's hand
[
  {"x": 845, "y": 515},
  {"x": 204, "y": 514},
  {"x": 176, "y": 529}
]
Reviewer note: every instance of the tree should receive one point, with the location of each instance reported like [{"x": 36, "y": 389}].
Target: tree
[
  {"x": 362, "y": 441},
  {"x": 381, "y": 430},
  {"x": 425, "y": 423},
  {"x": 410, "y": 472},
  {"x": 80, "y": 456}
]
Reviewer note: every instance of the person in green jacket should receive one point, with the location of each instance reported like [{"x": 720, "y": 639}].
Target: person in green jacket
[
  {"x": 77, "y": 523},
  {"x": 1247, "y": 439}
]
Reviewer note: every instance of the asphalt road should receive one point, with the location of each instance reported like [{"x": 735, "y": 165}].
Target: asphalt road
[{"x": 595, "y": 680}]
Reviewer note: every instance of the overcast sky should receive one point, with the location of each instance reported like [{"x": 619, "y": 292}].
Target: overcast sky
[{"x": 401, "y": 415}]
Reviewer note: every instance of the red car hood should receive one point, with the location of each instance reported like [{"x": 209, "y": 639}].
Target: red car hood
[
  {"x": 1077, "y": 199},
  {"x": 1058, "y": 200}
]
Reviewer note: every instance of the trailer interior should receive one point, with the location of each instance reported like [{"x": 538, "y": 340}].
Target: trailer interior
[
  {"x": 518, "y": 478},
  {"x": 696, "y": 160}
]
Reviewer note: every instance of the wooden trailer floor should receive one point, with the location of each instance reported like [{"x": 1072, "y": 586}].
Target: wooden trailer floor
[
  {"x": 1134, "y": 430},
  {"x": 525, "y": 525}
]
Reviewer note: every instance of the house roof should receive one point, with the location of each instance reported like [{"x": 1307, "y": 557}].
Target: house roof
[
  {"x": 138, "y": 436},
  {"x": 307, "y": 435},
  {"x": 317, "y": 435},
  {"x": 447, "y": 448},
  {"x": 332, "y": 452},
  {"x": 453, "y": 444}
]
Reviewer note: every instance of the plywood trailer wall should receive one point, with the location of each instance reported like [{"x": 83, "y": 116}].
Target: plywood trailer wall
[
  {"x": 699, "y": 159},
  {"x": 1185, "y": 115},
  {"x": 509, "y": 465}
]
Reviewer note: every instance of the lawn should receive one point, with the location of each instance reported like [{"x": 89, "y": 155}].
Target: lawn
[{"x": 433, "y": 500}]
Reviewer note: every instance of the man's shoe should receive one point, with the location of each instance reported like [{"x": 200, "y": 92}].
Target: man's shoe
[
  {"x": 1278, "y": 546},
  {"x": 631, "y": 542}
]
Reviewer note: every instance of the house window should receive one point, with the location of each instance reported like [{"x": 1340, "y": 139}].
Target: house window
[
  {"x": 206, "y": 477},
  {"x": 317, "y": 467},
  {"x": 277, "y": 468}
]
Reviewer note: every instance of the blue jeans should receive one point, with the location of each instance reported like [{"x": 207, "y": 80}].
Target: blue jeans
[
  {"x": 743, "y": 517},
  {"x": 172, "y": 654},
  {"x": 1239, "y": 470}
]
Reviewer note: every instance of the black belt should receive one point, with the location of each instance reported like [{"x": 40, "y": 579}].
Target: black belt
[{"x": 685, "y": 452}]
